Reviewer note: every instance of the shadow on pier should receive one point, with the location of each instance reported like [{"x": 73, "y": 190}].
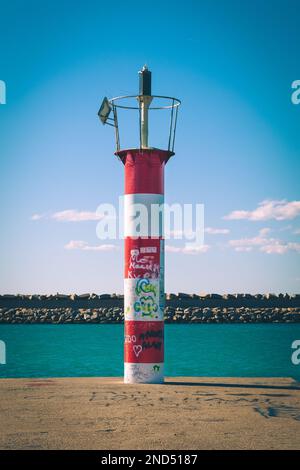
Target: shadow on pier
[{"x": 295, "y": 386}]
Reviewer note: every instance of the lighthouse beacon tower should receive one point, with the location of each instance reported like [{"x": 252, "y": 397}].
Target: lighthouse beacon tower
[{"x": 144, "y": 294}]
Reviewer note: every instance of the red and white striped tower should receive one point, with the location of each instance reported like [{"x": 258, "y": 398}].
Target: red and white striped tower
[{"x": 144, "y": 294}]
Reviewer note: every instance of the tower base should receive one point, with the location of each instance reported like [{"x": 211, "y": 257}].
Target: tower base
[{"x": 143, "y": 373}]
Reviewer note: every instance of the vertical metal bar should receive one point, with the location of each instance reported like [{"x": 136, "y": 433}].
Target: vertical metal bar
[
  {"x": 140, "y": 126},
  {"x": 171, "y": 126},
  {"x": 175, "y": 124},
  {"x": 116, "y": 127},
  {"x": 144, "y": 107}
]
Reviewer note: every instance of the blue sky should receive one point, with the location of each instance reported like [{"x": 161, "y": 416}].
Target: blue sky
[{"x": 231, "y": 63}]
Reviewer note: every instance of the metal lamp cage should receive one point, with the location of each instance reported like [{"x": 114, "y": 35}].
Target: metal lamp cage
[{"x": 164, "y": 102}]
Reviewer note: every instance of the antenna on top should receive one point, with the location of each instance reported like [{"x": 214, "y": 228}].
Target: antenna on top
[{"x": 145, "y": 81}]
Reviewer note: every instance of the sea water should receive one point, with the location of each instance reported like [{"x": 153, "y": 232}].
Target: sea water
[{"x": 207, "y": 350}]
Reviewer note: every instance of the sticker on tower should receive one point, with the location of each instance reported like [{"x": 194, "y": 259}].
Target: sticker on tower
[{"x": 142, "y": 258}]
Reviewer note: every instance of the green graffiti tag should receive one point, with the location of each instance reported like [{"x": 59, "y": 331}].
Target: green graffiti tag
[
  {"x": 146, "y": 306},
  {"x": 144, "y": 285}
]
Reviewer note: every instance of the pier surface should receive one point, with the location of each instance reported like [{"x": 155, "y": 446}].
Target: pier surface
[{"x": 184, "y": 413}]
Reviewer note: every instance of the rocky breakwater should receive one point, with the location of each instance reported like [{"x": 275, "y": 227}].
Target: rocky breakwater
[
  {"x": 232, "y": 315},
  {"x": 180, "y": 308},
  {"x": 61, "y": 315}
]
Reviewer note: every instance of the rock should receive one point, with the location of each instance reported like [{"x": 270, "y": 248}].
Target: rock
[
  {"x": 93, "y": 296},
  {"x": 270, "y": 296},
  {"x": 204, "y": 296},
  {"x": 84, "y": 296},
  {"x": 170, "y": 296},
  {"x": 61, "y": 296},
  {"x": 104, "y": 296},
  {"x": 228, "y": 296}
]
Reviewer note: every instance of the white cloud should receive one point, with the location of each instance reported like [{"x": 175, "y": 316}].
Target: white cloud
[
  {"x": 73, "y": 215},
  {"x": 82, "y": 245},
  {"x": 264, "y": 231},
  {"x": 280, "y": 247},
  {"x": 187, "y": 249},
  {"x": 173, "y": 249},
  {"x": 265, "y": 244},
  {"x": 259, "y": 240},
  {"x": 37, "y": 216},
  {"x": 194, "y": 250},
  {"x": 180, "y": 234},
  {"x": 244, "y": 248},
  {"x": 267, "y": 210},
  {"x": 275, "y": 247},
  {"x": 216, "y": 231}
]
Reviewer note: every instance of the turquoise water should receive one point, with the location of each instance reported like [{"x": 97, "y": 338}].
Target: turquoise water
[{"x": 238, "y": 350}]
